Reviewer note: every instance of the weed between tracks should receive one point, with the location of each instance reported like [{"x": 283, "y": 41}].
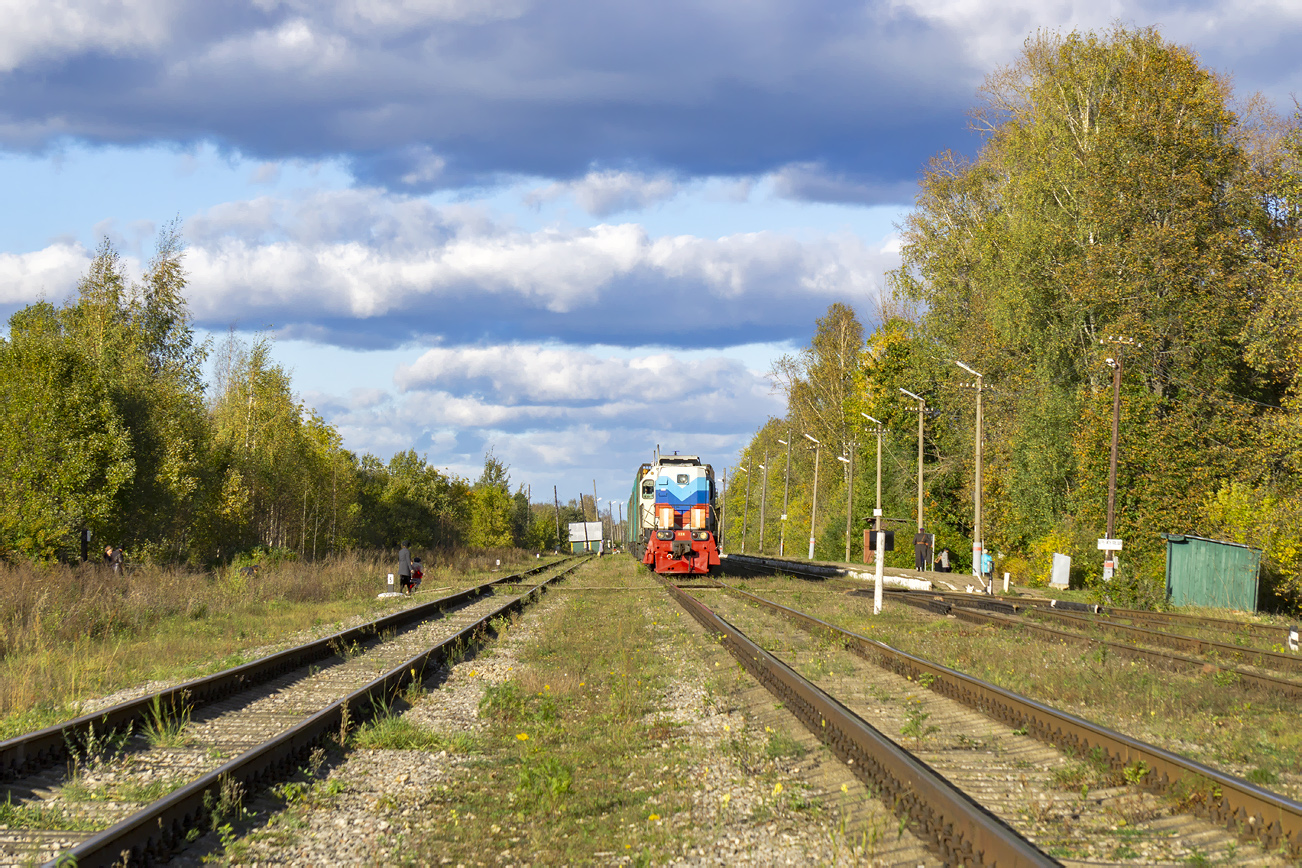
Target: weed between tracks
[{"x": 581, "y": 762}]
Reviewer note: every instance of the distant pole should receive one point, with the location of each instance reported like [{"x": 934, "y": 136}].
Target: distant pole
[
  {"x": 879, "y": 553},
  {"x": 978, "y": 536},
  {"x": 745, "y": 515},
  {"x": 764, "y": 496},
  {"x": 849, "y": 501},
  {"x": 922, "y": 406},
  {"x": 813, "y": 508},
  {"x": 786, "y": 487},
  {"x": 1116, "y": 439},
  {"x": 723, "y": 509},
  {"x": 556, "y": 498},
  {"x": 1110, "y": 556},
  {"x": 596, "y": 513}
]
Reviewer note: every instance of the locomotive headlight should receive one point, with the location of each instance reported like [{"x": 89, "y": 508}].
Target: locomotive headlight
[
  {"x": 700, "y": 535},
  {"x": 664, "y": 534}
]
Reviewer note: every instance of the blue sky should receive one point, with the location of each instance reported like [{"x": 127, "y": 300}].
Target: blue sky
[{"x": 568, "y": 231}]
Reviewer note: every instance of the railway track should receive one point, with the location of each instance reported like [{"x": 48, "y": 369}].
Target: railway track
[
  {"x": 135, "y": 782},
  {"x": 1274, "y": 820},
  {"x": 984, "y": 611},
  {"x": 949, "y": 821},
  {"x": 1087, "y": 621},
  {"x": 1069, "y": 823}
]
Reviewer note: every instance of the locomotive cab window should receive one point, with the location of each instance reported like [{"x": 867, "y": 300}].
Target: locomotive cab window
[
  {"x": 648, "y": 490},
  {"x": 682, "y": 479}
]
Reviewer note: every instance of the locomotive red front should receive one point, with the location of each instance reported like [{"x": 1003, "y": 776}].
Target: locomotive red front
[{"x": 672, "y": 521}]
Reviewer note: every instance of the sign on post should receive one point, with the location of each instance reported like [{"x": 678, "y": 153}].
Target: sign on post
[{"x": 1109, "y": 545}]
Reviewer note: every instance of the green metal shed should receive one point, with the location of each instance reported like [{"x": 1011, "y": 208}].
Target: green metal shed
[{"x": 1209, "y": 572}]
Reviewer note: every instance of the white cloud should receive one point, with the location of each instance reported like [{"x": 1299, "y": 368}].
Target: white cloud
[
  {"x": 37, "y": 31},
  {"x": 364, "y": 254},
  {"x": 361, "y": 266},
  {"x": 556, "y": 414},
  {"x": 52, "y": 272},
  {"x": 532, "y": 374},
  {"x": 604, "y": 193}
]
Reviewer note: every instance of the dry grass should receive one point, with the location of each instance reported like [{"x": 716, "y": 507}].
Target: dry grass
[{"x": 69, "y": 633}]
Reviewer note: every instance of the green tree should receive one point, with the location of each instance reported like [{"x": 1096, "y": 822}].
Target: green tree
[
  {"x": 1114, "y": 195},
  {"x": 492, "y": 509},
  {"x": 64, "y": 453}
]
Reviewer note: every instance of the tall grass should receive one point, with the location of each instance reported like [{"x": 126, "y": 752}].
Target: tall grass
[{"x": 67, "y": 632}]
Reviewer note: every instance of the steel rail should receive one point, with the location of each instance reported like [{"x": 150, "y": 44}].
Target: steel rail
[
  {"x": 153, "y": 832},
  {"x": 1165, "y": 659},
  {"x": 1273, "y": 819},
  {"x": 944, "y": 817},
  {"x": 1258, "y": 657},
  {"x": 1005, "y": 604},
  {"x": 1225, "y": 625},
  {"x": 47, "y": 746}
]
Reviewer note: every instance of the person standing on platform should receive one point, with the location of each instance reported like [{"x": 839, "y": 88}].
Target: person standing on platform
[
  {"x": 920, "y": 551},
  {"x": 404, "y": 568}
]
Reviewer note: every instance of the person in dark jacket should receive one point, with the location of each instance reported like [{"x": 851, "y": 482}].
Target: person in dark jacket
[
  {"x": 920, "y": 551},
  {"x": 404, "y": 568},
  {"x": 113, "y": 558}
]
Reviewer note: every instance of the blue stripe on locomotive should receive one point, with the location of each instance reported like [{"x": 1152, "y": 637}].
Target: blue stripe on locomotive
[{"x": 684, "y": 496}]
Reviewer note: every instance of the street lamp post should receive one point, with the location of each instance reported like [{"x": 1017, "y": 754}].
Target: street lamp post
[
  {"x": 764, "y": 497},
  {"x": 879, "y": 555},
  {"x": 849, "y": 495},
  {"x": 813, "y": 508},
  {"x": 786, "y": 487},
  {"x": 978, "y": 533}
]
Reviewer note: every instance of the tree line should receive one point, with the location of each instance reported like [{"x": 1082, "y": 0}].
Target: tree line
[
  {"x": 107, "y": 425},
  {"x": 1124, "y": 207}
]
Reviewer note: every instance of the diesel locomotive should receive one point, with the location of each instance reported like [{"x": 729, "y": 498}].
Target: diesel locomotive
[{"x": 672, "y": 524}]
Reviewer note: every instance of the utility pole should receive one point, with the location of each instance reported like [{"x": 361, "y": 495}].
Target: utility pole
[
  {"x": 764, "y": 497},
  {"x": 879, "y": 556},
  {"x": 922, "y": 406},
  {"x": 557, "y": 499},
  {"x": 1110, "y": 554},
  {"x": 849, "y": 496},
  {"x": 978, "y": 530},
  {"x": 745, "y": 515},
  {"x": 786, "y": 487},
  {"x": 724, "y": 511},
  {"x": 813, "y": 508}
]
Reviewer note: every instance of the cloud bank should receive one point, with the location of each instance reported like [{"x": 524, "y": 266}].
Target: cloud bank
[{"x": 367, "y": 268}]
